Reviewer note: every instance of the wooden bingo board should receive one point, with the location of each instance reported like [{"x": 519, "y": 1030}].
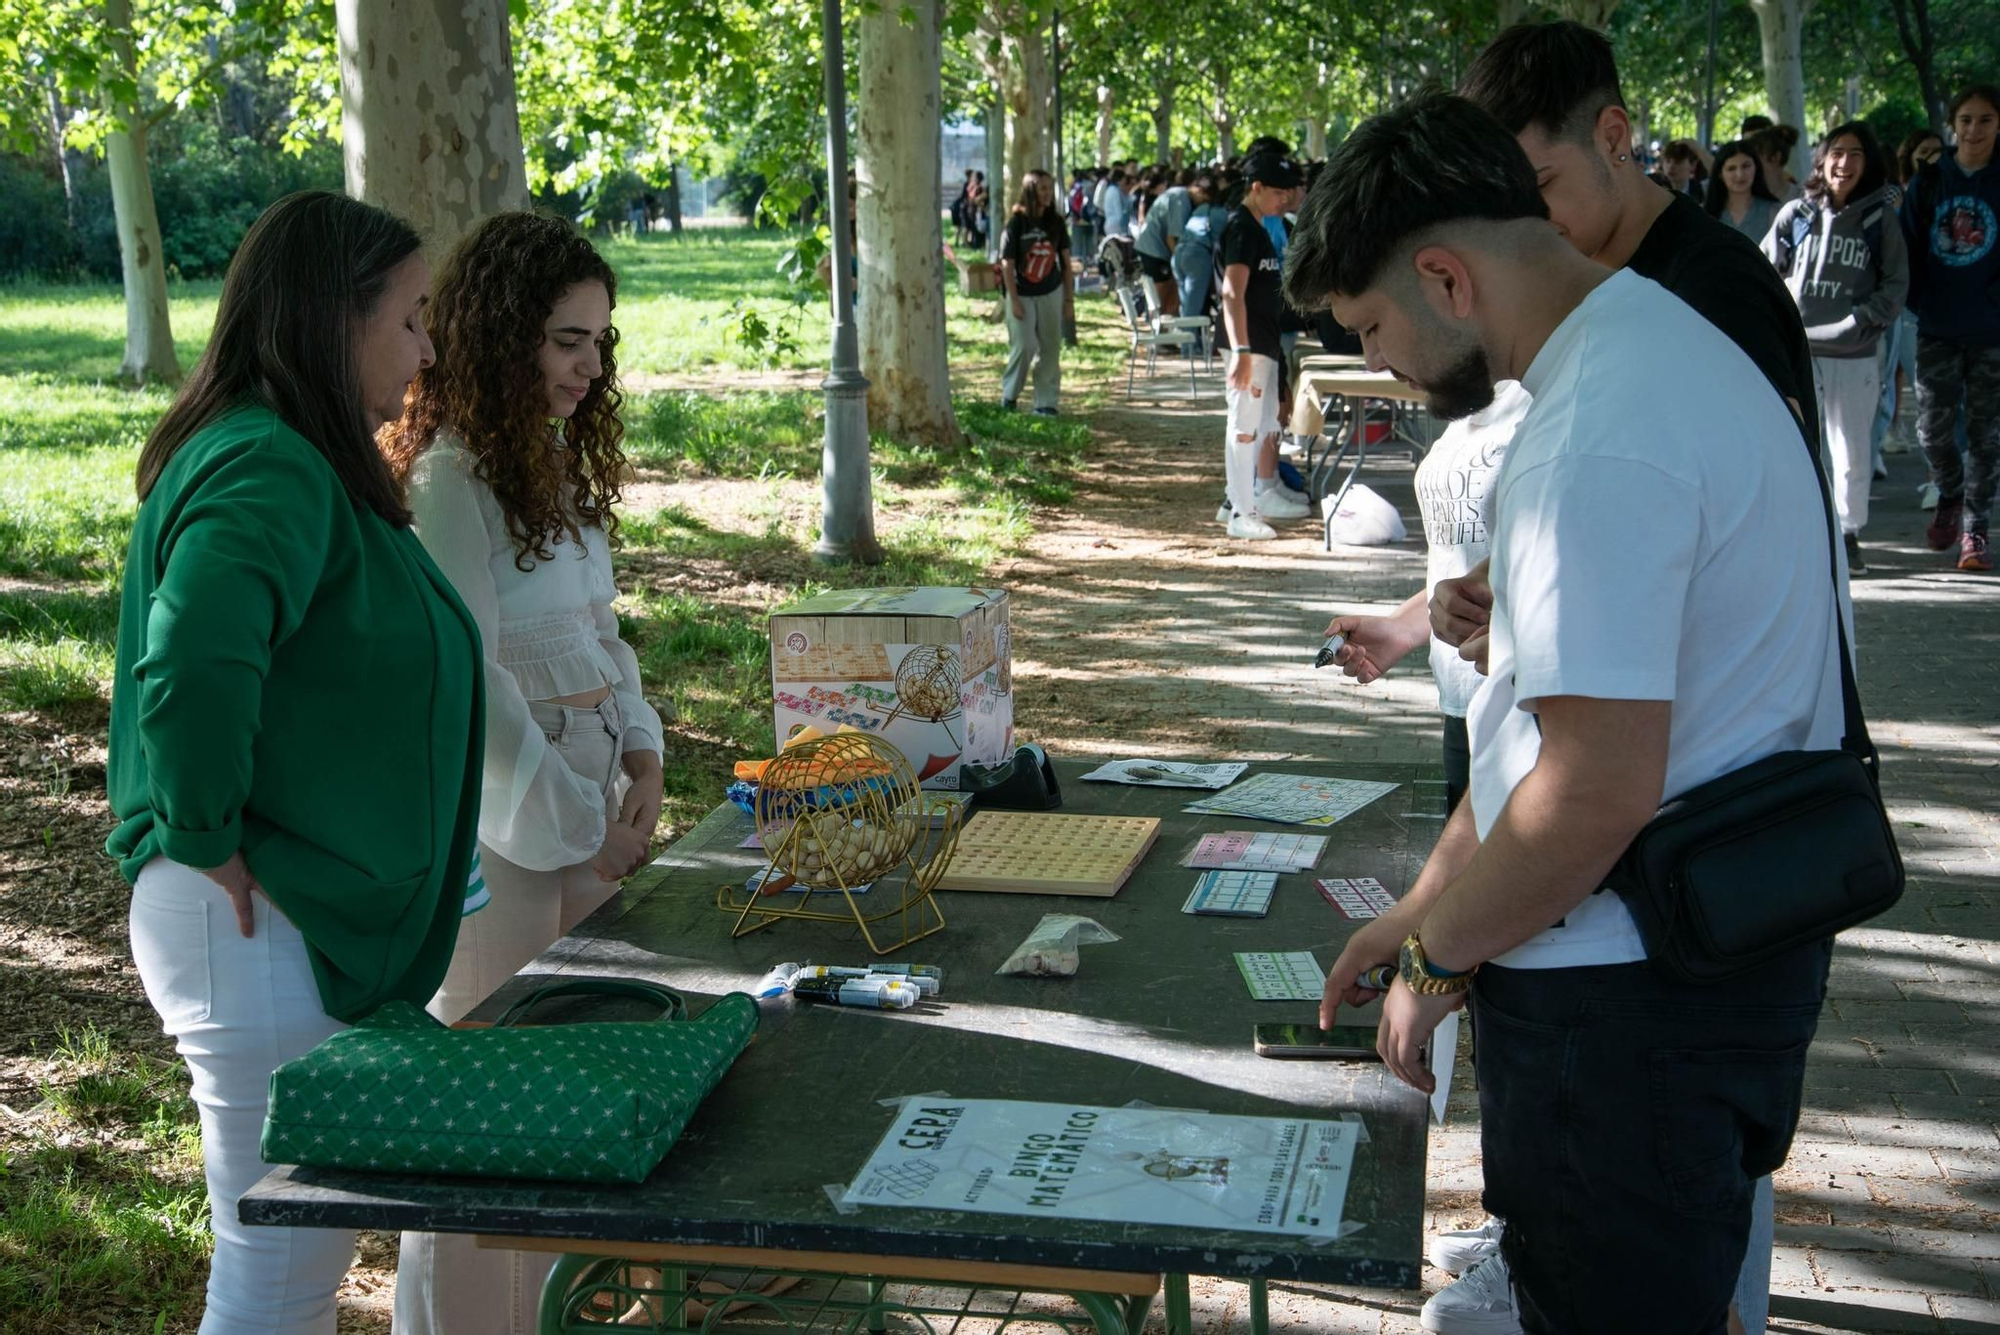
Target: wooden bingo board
[
  {"x": 834, "y": 662},
  {"x": 1027, "y": 853}
]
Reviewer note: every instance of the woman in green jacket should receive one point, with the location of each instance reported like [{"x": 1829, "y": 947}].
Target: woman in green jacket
[{"x": 296, "y": 723}]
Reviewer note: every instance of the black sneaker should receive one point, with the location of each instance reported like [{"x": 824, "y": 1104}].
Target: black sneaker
[
  {"x": 1006, "y": 405},
  {"x": 1045, "y": 412},
  {"x": 1855, "y": 562}
]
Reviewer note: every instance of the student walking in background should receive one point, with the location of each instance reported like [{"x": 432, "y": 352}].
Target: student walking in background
[
  {"x": 1948, "y": 220},
  {"x": 1737, "y": 193},
  {"x": 1034, "y": 270},
  {"x": 1841, "y": 253}
]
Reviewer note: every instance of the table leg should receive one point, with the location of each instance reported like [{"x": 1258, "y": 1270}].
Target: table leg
[
  {"x": 1180, "y": 1310},
  {"x": 563, "y": 1276},
  {"x": 1260, "y": 1308},
  {"x": 1360, "y": 442}
]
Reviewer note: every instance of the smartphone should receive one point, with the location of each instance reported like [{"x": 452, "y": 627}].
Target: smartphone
[{"x": 1343, "y": 1042}]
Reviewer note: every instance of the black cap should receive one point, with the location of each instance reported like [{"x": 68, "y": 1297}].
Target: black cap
[{"x": 1274, "y": 169}]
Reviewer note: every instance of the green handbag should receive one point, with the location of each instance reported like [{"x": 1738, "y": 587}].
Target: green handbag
[{"x": 599, "y": 1102}]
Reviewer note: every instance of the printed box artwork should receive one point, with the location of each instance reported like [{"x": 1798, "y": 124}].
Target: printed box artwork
[{"x": 927, "y": 670}]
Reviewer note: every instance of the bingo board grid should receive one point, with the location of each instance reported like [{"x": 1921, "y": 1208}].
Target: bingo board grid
[
  {"x": 833, "y": 662},
  {"x": 1357, "y": 897},
  {"x": 1236, "y": 894},
  {"x": 1282, "y": 975},
  {"x": 1032, "y": 853}
]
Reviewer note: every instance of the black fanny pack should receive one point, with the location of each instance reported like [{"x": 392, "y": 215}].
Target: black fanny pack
[{"x": 1775, "y": 855}]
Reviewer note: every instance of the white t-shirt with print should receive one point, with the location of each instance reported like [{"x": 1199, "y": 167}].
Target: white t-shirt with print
[
  {"x": 1648, "y": 555},
  {"x": 1452, "y": 485}
]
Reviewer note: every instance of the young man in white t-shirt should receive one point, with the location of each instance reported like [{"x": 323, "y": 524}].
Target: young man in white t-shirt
[{"x": 1663, "y": 614}]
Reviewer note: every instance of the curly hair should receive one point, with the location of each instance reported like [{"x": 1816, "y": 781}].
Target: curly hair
[{"x": 485, "y": 319}]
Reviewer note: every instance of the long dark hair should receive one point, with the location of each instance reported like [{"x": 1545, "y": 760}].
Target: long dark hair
[
  {"x": 310, "y": 271},
  {"x": 485, "y": 318},
  {"x": 1874, "y": 174},
  {"x": 1717, "y": 198},
  {"x": 1907, "y": 165}
]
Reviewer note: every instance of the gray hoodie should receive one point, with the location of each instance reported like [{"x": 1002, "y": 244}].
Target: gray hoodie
[{"x": 1847, "y": 269}]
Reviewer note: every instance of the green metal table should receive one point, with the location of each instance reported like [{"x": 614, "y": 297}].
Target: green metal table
[{"x": 1161, "y": 1017}]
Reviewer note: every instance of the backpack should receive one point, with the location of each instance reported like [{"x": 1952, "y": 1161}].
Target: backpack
[{"x": 1803, "y": 222}]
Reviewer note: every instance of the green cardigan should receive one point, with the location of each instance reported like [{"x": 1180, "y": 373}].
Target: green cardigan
[{"x": 296, "y": 680}]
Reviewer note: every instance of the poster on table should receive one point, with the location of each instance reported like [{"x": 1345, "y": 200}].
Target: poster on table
[{"x": 1130, "y": 1165}]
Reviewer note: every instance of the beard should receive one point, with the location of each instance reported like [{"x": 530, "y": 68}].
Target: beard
[{"x": 1462, "y": 388}]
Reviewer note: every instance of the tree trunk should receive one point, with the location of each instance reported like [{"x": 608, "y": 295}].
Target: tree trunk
[
  {"x": 1780, "y": 24},
  {"x": 1591, "y": 13},
  {"x": 149, "y": 337},
  {"x": 996, "y": 181},
  {"x": 1106, "y": 105},
  {"x": 429, "y": 125},
  {"x": 1913, "y": 25},
  {"x": 1030, "y": 89},
  {"x": 1163, "y": 123},
  {"x": 1225, "y": 119},
  {"x": 674, "y": 222},
  {"x": 898, "y": 160},
  {"x": 59, "y": 119},
  {"x": 1315, "y": 136}
]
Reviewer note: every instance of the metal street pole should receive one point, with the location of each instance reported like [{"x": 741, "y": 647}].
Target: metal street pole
[
  {"x": 1708, "y": 81},
  {"x": 847, "y": 501}
]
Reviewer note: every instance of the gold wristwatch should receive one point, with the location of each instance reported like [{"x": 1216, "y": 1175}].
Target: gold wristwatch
[{"x": 1422, "y": 977}]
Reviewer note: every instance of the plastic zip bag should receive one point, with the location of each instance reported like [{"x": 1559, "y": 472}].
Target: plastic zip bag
[{"x": 1050, "y": 950}]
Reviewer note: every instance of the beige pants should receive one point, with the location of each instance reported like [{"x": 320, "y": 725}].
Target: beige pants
[{"x": 445, "y": 1285}]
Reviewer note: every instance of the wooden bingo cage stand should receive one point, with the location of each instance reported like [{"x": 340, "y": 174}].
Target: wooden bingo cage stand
[{"x": 851, "y": 839}]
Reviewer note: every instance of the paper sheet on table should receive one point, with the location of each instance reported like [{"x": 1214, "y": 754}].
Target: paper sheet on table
[
  {"x": 1133, "y": 1165},
  {"x": 1166, "y": 773},
  {"x": 1249, "y": 850},
  {"x": 1292, "y": 799}
]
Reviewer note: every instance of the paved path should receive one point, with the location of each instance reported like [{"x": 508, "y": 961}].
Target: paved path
[{"x": 1138, "y": 624}]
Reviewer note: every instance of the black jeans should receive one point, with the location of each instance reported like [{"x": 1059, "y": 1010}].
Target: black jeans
[{"x": 1624, "y": 1120}]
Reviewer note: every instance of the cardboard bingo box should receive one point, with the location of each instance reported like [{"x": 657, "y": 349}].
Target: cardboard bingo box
[{"x": 926, "y": 670}]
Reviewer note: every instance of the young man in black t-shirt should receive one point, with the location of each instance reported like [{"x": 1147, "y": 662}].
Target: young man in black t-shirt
[
  {"x": 1034, "y": 270},
  {"x": 1252, "y": 304},
  {"x": 1555, "y": 85}
]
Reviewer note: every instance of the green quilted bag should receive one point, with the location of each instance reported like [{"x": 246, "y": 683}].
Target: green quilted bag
[{"x": 597, "y": 1102}]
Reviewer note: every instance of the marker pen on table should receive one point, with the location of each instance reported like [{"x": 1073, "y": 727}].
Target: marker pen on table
[{"x": 877, "y": 993}]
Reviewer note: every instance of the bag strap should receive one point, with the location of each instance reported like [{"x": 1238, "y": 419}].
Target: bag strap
[
  {"x": 1854, "y": 737},
  {"x": 669, "y": 1001}
]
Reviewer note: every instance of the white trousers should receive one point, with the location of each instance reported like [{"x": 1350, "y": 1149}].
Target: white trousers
[
  {"x": 1850, "y": 391},
  {"x": 445, "y": 1283},
  {"x": 238, "y": 1008},
  {"x": 1253, "y": 419}
]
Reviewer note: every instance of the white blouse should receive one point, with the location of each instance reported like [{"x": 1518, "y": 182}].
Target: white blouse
[{"x": 547, "y": 631}]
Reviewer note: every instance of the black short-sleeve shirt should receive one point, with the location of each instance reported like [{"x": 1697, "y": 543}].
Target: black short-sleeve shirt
[
  {"x": 1725, "y": 277},
  {"x": 1244, "y": 241},
  {"x": 1039, "y": 250}
]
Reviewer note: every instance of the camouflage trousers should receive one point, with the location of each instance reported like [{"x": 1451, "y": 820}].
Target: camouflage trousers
[{"x": 1954, "y": 377}]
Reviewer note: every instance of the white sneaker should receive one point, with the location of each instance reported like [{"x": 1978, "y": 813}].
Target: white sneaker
[
  {"x": 1250, "y": 528},
  {"x": 1295, "y": 494},
  {"x": 1224, "y": 511},
  {"x": 1927, "y": 496},
  {"x": 1480, "y": 1303},
  {"x": 1457, "y": 1250},
  {"x": 1277, "y": 503}
]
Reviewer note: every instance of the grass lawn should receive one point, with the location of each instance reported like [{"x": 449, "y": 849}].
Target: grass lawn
[{"x": 103, "y": 1221}]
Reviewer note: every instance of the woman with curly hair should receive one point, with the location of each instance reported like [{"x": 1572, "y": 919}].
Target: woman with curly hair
[{"x": 509, "y": 450}]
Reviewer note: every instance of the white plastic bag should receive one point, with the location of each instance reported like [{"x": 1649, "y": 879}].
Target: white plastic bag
[
  {"x": 1050, "y": 951},
  {"x": 1365, "y": 519}
]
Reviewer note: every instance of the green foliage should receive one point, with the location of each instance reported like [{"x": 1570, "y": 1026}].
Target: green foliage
[
  {"x": 209, "y": 190},
  {"x": 35, "y": 236}
]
